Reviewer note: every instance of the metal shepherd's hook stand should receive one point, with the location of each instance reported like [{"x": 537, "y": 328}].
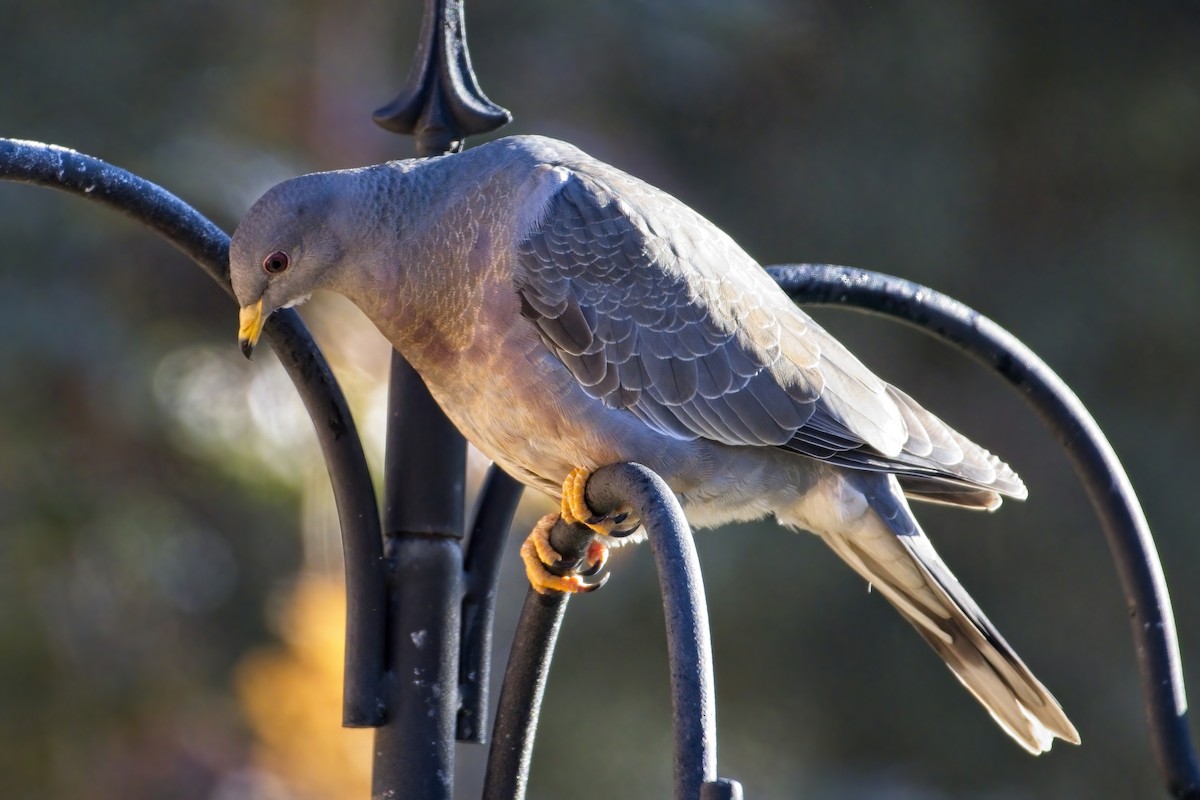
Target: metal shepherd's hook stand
[{"x": 420, "y": 609}]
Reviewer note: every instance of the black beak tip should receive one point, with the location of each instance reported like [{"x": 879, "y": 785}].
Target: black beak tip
[{"x": 247, "y": 348}]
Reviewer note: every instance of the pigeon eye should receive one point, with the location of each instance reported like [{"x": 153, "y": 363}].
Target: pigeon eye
[{"x": 276, "y": 262}]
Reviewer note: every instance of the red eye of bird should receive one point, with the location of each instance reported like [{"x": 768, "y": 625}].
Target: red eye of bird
[{"x": 276, "y": 262}]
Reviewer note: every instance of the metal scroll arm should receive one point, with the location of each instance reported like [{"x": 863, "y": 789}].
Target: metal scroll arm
[
  {"x": 206, "y": 244},
  {"x": 481, "y": 563},
  {"x": 1112, "y": 496},
  {"x": 689, "y": 648}
]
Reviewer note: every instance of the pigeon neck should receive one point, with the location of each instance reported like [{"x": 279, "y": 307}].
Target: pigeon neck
[{"x": 432, "y": 257}]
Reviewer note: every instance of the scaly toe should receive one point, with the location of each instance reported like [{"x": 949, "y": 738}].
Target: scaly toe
[
  {"x": 574, "y": 502},
  {"x": 539, "y": 540},
  {"x": 576, "y": 510},
  {"x": 538, "y": 555}
]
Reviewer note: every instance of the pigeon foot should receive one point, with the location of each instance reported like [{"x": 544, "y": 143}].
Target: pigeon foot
[{"x": 541, "y": 558}]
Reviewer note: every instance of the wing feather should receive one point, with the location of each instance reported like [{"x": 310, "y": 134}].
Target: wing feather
[{"x": 655, "y": 310}]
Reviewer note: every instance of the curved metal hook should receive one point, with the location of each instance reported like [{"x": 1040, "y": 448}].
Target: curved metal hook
[
  {"x": 689, "y": 647},
  {"x": 206, "y": 244},
  {"x": 1112, "y": 496},
  {"x": 485, "y": 547}
]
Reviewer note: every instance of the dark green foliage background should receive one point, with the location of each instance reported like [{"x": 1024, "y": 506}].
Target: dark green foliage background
[{"x": 1037, "y": 161}]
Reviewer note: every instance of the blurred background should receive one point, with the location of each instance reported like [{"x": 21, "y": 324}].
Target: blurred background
[{"x": 169, "y": 560}]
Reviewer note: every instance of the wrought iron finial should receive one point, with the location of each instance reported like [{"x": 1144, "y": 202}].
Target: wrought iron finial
[{"x": 441, "y": 103}]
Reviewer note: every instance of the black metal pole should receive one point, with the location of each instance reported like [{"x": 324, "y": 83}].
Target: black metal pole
[
  {"x": 1112, "y": 496},
  {"x": 424, "y": 470},
  {"x": 425, "y": 463},
  {"x": 414, "y": 749}
]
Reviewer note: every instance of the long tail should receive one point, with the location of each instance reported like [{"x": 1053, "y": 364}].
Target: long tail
[{"x": 887, "y": 547}]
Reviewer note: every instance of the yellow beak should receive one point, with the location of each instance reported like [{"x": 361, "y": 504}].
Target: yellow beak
[{"x": 250, "y": 325}]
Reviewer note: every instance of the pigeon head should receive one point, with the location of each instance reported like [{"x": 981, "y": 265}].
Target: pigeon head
[{"x": 285, "y": 248}]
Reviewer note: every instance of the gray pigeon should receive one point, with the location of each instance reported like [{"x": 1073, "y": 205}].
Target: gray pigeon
[{"x": 566, "y": 316}]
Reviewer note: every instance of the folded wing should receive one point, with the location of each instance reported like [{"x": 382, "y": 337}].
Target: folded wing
[{"x": 655, "y": 310}]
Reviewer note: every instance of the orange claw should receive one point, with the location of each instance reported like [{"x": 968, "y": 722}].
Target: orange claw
[{"x": 596, "y": 557}]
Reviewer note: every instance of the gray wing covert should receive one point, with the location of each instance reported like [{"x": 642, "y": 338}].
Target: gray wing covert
[
  {"x": 662, "y": 314},
  {"x": 655, "y": 310}
]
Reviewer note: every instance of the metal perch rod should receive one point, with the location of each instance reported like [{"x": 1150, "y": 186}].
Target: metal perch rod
[
  {"x": 207, "y": 245},
  {"x": 689, "y": 648},
  {"x": 1112, "y": 496}
]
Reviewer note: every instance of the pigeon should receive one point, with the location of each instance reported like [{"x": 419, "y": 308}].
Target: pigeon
[{"x": 566, "y": 315}]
